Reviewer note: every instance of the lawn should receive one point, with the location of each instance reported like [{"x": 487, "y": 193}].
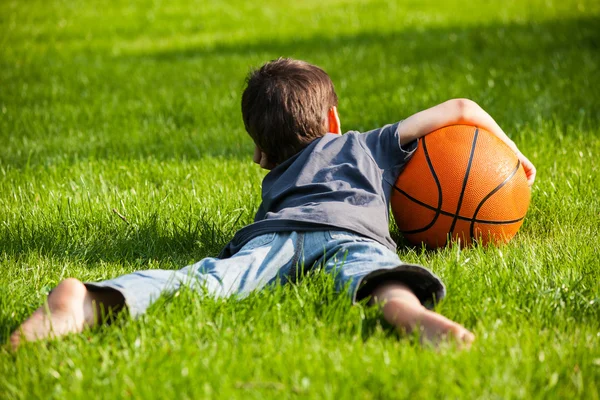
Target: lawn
[{"x": 122, "y": 148}]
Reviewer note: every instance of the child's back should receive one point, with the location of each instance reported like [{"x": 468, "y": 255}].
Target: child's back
[{"x": 336, "y": 182}]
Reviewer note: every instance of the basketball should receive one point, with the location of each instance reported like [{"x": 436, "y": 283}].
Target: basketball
[{"x": 462, "y": 183}]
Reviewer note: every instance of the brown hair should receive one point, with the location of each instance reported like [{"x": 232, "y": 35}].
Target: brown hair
[{"x": 285, "y": 106}]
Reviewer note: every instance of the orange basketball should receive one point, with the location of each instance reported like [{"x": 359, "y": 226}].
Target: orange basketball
[{"x": 462, "y": 183}]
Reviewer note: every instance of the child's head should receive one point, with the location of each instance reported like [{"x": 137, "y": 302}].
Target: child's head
[{"x": 285, "y": 106}]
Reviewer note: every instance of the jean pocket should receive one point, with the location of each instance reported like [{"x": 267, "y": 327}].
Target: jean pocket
[{"x": 259, "y": 241}]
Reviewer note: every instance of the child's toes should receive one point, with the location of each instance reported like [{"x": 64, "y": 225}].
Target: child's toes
[
  {"x": 463, "y": 337},
  {"x": 15, "y": 340}
]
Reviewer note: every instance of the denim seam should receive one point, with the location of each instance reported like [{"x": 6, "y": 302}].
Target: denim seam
[{"x": 297, "y": 252}]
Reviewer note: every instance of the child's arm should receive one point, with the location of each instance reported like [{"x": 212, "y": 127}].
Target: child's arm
[{"x": 458, "y": 111}]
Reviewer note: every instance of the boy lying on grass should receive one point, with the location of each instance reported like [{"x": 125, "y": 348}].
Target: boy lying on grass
[{"x": 325, "y": 203}]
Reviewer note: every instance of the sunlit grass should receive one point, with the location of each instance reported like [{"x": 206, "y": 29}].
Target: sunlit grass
[{"x": 122, "y": 148}]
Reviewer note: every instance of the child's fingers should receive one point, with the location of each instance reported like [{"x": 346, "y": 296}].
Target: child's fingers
[
  {"x": 531, "y": 177},
  {"x": 530, "y": 170},
  {"x": 531, "y": 174}
]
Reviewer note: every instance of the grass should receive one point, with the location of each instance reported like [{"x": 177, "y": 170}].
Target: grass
[{"x": 134, "y": 107}]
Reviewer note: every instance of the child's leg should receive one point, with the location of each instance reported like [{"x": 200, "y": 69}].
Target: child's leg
[
  {"x": 369, "y": 269},
  {"x": 70, "y": 308},
  {"x": 403, "y": 309},
  {"x": 72, "y": 305}
]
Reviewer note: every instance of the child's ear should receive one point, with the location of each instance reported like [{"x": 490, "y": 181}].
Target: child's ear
[
  {"x": 333, "y": 120},
  {"x": 261, "y": 159}
]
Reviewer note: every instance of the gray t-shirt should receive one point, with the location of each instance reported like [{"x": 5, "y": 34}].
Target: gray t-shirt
[{"x": 336, "y": 182}]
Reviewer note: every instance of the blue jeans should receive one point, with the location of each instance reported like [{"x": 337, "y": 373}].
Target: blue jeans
[{"x": 354, "y": 261}]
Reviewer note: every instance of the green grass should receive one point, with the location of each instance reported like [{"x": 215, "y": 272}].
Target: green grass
[{"x": 135, "y": 107}]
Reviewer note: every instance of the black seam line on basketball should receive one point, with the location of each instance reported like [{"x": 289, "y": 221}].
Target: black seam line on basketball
[
  {"x": 479, "y": 221},
  {"x": 439, "y": 187},
  {"x": 490, "y": 194},
  {"x": 449, "y": 214},
  {"x": 437, "y": 183},
  {"x": 464, "y": 185}
]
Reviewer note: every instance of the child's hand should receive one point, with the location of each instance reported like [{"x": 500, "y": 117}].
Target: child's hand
[
  {"x": 260, "y": 158},
  {"x": 529, "y": 168},
  {"x": 454, "y": 112}
]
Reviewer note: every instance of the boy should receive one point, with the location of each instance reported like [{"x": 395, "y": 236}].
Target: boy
[{"x": 325, "y": 202}]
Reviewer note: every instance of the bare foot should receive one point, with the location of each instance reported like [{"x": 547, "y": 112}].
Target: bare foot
[
  {"x": 434, "y": 328},
  {"x": 402, "y": 309},
  {"x": 69, "y": 309}
]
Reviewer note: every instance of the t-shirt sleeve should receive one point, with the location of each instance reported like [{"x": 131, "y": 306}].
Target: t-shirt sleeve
[{"x": 383, "y": 145}]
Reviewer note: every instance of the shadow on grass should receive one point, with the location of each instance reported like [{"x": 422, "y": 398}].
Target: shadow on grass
[
  {"x": 152, "y": 243},
  {"x": 522, "y": 71},
  {"x": 153, "y": 240},
  {"x": 509, "y": 44}
]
